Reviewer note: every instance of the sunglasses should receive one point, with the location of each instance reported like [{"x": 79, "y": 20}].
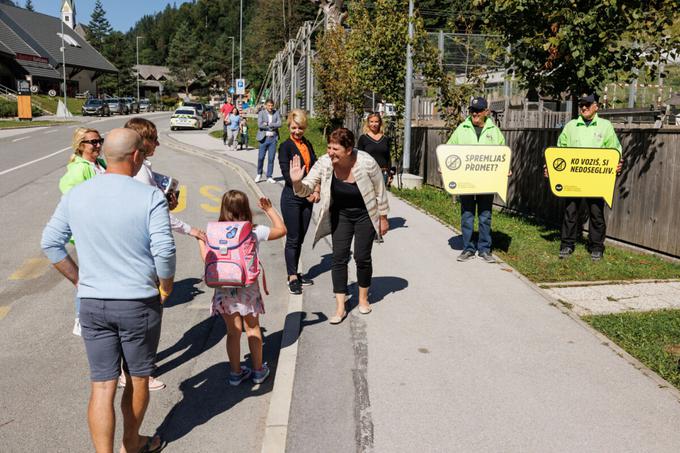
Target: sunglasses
[
  {"x": 476, "y": 112},
  {"x": 94, "y": 142},
  {"x": 585, "y": 106}
]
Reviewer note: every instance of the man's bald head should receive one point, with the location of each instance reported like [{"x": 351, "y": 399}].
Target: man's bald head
[{"x": 120, "y": 144}]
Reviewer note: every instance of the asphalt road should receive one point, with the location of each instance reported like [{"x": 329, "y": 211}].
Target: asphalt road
[{"x": 44, "y": 386}]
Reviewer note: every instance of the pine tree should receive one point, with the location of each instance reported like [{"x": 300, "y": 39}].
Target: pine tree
[
  {"x": 182, "y": 62},
  {"x": 29, "y": 5},
  {"x": 99, "y": 27}
]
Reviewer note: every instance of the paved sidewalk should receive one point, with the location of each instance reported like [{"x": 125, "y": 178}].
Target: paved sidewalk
[{"x": 603, "y": 298}]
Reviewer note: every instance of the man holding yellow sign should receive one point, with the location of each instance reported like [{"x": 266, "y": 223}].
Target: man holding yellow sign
[
  {"x": 584, "y": 172},
  {"x": 477, "y": 129}
]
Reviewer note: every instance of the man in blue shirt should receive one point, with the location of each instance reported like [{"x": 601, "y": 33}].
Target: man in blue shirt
[
  {"x": 268, "y": 124},
  {"x": 126, "y": 256}
]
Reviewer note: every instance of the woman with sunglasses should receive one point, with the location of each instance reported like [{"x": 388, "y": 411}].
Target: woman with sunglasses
[{"x": 85, "y": 162}]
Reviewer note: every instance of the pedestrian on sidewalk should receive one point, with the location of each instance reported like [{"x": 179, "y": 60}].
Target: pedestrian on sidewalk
[
  {"x": 85, "y": 163},
  {"x": 243, "y": 133},
  {"x": 241, "y": 307},
  {"x": 233, "y": 129},
  {"x": 377, "y": 144},
  {"x": 268, "y": 124},
  {"x": 296, "y": 211},
  {"x": 117, "y": 221},
  {"x": 477, "y": 129},
  {"x": 353, "y": 206},
  {"x": 586, "y": 131}
]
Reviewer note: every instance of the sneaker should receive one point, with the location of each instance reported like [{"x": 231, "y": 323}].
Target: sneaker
[
  {"x": 596, "y": 255},
  {"x": 305, "y": 281},
  {"x": 565, "y": 252},
  {"x": 487, "y": 257},
  {"x": 260, "y": 375},
  {"x": 295, "y": 286},
  {"x": 258, "y": 178},
  {"x": 271, "y": 180},
  {"x": 466, "y": 255},
  {"x": 76, "y": 327},
  {"x": 236, "y": 378},
  {"x": 155, "y": 384}
]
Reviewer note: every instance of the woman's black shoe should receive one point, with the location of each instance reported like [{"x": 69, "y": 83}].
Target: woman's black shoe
[
  {"x": 305, "y": 280},
  {"x": 295, "y": 287}
]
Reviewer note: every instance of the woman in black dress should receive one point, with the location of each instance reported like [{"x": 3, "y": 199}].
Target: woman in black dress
[{"x": 377, "y": 144}]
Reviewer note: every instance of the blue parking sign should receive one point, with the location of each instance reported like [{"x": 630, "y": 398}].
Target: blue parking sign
[{"x": 240, "y": 86}]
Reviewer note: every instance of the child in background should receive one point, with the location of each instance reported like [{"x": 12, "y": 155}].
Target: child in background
[
  {"x": 243, "y": 131},
  {"x": 241, "y": 307}
]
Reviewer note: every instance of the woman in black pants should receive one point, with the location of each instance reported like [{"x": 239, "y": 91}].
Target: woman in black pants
[
  {"x": 353, "y": 206},
  {"x": 296, "y": 211}
]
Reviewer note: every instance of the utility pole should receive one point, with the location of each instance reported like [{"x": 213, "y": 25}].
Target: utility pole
[
  {"x": 233, "y": 40},
  {"x": 137, "y": 43},
  {"x": 240, "y": 43},
  {"x": 406, "y": 164}
]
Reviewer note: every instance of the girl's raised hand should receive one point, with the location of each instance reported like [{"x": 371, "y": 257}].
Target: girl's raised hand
[
  {"x": 264, "y": 203},
  {"x": 296, "y": 170}
]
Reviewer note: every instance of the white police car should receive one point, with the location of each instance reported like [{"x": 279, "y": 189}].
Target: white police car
[{"x": 186, "y": 118}]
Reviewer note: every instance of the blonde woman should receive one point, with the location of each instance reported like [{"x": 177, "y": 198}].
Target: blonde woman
[
  {"x": 85, "y": 162},
  {"x": 296, "y": 211},
  {"x": 377, "y": 144}
]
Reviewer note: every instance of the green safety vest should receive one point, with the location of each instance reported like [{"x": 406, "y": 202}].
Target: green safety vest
[
  {"x": 598, "y": 134},
  {"x": 465, "y": 134}
]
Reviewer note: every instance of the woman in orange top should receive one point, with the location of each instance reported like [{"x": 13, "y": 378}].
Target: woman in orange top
[{"x": 296, "y": 211}]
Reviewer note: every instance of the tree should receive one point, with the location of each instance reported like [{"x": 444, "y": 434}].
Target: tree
[
  {"x": 99, "y": 27},
  {"x": 573, "y": 46},
  {"x": 29, "y": 5},
  {"x": 182, "y": 56}
]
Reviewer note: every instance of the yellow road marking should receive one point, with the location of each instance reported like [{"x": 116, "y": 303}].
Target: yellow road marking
[
  {"x": 32, "y": 268},
  {"x": 213, "y": 193},
  {"x": 182, "y": 202},
  {"x": 4, "y": 311}
]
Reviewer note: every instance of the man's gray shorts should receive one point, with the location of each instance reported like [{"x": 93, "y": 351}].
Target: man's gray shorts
[{"x": 115, "y": 330}]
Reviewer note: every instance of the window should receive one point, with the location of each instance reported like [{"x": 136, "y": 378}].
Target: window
[
  {"x": 66, "y": 18},
  {"x": 68, "y": 40}
]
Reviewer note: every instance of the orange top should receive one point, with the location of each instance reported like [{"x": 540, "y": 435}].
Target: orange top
[{"x": 304, "y": 151}]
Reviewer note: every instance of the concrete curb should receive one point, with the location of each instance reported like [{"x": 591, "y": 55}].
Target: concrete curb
[
  {"x": 604, "y": 340},
  {"x": 276, "y": 425}
]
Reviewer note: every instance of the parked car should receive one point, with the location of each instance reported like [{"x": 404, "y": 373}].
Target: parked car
[
  {"x": 200, "y": 109},
  {"x": 96, "y": 107},
  {"x": 186, "y": 118},
  {"x": 117, "y": 106},
  {"x": 131, "y": 105},
  {"x": 145, "y": 105}
]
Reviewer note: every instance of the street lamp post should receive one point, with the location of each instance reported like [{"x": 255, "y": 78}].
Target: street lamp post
[
  {"x": 137, "y": 42},
  {"x": 63, "y": 62},
  {"x": 240, "y": 42},
  {"x": 233, "y": 40}
]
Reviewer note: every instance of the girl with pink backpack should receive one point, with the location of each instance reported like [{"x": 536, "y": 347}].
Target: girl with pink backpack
[{"x": 232, "y": 268}]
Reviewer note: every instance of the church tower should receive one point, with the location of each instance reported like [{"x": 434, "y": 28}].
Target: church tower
[{"x": 68, "y": 13}]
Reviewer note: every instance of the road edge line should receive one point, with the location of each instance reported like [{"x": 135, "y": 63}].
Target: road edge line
[{"x": 278, "y": 413}]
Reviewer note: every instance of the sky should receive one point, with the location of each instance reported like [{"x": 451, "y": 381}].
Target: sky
[{"x": 122, "y": 14}]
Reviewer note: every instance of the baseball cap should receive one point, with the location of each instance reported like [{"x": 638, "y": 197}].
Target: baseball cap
[
  {"x": 588, "y": 98},
  {"x": 478, "y": 104}
]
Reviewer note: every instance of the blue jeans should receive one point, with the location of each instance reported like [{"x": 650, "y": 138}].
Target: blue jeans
[
  {"x": 269, "y": 144},
  {"x": 468, "y": 205}
]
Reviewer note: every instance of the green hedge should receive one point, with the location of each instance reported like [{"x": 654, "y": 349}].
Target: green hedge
[{"x": 8, "y": 109}]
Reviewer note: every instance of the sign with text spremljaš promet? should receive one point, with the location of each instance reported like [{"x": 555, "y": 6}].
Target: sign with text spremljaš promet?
[
  {"x": 582, "y": 172},
  {"x": 475, "y": 169}
]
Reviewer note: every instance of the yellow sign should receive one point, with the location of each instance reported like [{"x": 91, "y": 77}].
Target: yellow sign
[
  {"x": 582, "y": 172},
  {"x": 475, "y": 169}
]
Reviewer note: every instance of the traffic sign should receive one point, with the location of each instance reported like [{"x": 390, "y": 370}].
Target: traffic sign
[
  {"x": 231, "y": 90},
  {"x": 240, "y": 86}
]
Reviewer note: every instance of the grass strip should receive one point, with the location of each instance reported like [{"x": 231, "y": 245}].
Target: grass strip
[
  {"x": 50, "y": 103},
  {"x": 15, "y": 124},
  {"x": 646, "y": 336},
  {"x": 532, "y": 247},
  {"x": 314, "y": 134}
]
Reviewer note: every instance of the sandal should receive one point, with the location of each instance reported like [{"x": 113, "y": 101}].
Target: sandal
[
  {"x": 148, "y": 446},
  {"x": 337, "y": 319},
  {"x": 365, "y": 310}
]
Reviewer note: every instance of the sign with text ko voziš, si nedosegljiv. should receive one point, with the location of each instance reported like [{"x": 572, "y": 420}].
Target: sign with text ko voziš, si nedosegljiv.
[
  {"x": 475, "y": 169},
  {"x": 582, "y": 172}
]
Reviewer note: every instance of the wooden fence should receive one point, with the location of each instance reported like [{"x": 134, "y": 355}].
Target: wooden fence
[{"x": 646, "y": 208}]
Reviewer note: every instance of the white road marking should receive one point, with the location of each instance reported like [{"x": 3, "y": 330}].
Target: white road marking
[
  {"x": 4, "y": 172},
  {"x": 51, "y": 131},
  {"x": 19, "y": 139}
]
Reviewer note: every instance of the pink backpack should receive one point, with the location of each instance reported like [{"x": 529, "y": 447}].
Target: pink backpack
[{"x": 231, "y": 255}]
